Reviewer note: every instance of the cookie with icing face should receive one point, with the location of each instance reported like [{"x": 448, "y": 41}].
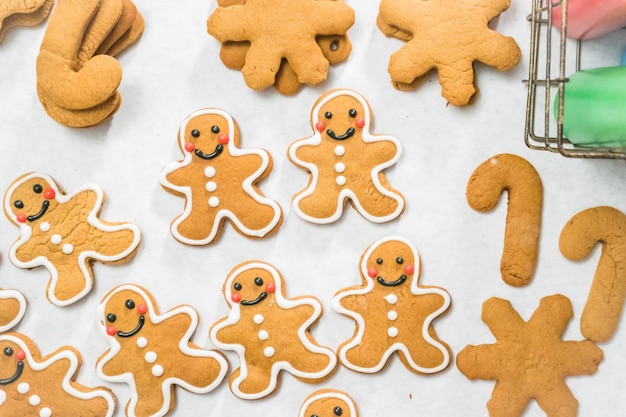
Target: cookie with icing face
[
  {"x": 32, "y": 384},
  {"x": 328, "y": 403},
  {"x": 269, "y": 332},
  {"x": 219, "y": 181},
  {"x": 64, "y": 233},
  {"x": 152, "y": 352},
  {"x": 12, "y": 308},
  {"x": 392, "y": 313},
  {"x": 345, "y": 163}
]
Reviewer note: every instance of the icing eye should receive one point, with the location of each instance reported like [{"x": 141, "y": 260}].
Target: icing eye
[
  {"x": 111, "y": 318},
  {"x": 379, "y": 261},
  {"x": 338, "y": 411},
  {"x": 237, "y": 286},
  {"x": 215, "y": 129},
  {"x": 8, "y": 351},
  {"x": 18, "y": 204},
  {"x": 37, "y": 188},
  {"x": 130, "y": 304},
  {"x": 352, "y": 113},
  {"x": 195, "y": 133},
  {"x": 313, "y": 415},
  {"x": 399, "y": 260},
  {"x": 258, "y": 281},
  {"x": 328, "y": 115}
]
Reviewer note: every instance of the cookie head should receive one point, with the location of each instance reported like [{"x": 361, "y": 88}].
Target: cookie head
[
  {"x": 340, "y": 116},
  {"x": 125, "y": 314},
  {"x": 328, "y": 403},
  {"x": 391, "y": 264},
  {"x": 251, "y": 288},
  {"x": 30, "y": 200},
  {"x": 207, "y": 134},
  {"x": 12, "y": 362}
]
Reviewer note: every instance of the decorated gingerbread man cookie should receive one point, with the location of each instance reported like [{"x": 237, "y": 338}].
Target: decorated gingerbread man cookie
[
  {"x": 345, "y": 163},
  {"x": 269, "y": 332},
  {"x": 44, "y": 386},
  {"x": 63, "y": 233},
  {"x": 218, "y": 181},
  {"x": 392, "y": 312},
  {"x": 328, "y": 403},
  {"x": 12, "y": 308},
  {"x": 152, "y": 352}
]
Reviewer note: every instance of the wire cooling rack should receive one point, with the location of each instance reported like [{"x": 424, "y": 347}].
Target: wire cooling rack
[{"x": 547, "y": 81}]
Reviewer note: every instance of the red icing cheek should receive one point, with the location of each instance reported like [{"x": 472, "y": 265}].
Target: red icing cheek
[
  {"x": 409, "y": 269},
  {"x": 189, "y": 147},
  {"x": 142, "y": 309},
  {"x": 270, "y": 287},
  {"x": 359, "y": 122},
  {"x": 236, "y": 298},
  {"x": 223, "y": 139},
  {"x": 320, "y": 126},
  {"x": 372, "y": 272},
  {"x": 111, "y": 331},
  {"x": 21, "y": 218},
  {"x": 20, "y": 355},
  {"x": 49, "y": 193}
]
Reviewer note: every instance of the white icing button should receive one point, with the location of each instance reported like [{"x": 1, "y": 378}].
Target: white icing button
[
  {"x": 151, "y": 357},
  {"x": 214, "y": 201},
  {"x": 34, "y": 400},
  {"x": 392, "y": 315},
  {"x": 45, "y": 412},
  {"x": 44, "y": 226},
  {"x": 56, "y": 239},
  {"x": 340, "y": 150},
  {"x": 258, "y": 318},
  {"x": 263, "y": 335},
  {"x": 269, "y": 351},
  {"x": 341, "y": 180},
  {"x": 3, "y": 397},
  {"x": 23, "y": 388},
  {"x": 68, "y": 249},
  {"x": 211, "y": 186},
  {"x": 142, "y": 342},
  {"x": 209, "y": 172},
  {"x": 340, "y": 167},
  {"x": 157, "y": 370},
  {"x": 391, "y": 298},
  {"x": 392, "y": 331}
]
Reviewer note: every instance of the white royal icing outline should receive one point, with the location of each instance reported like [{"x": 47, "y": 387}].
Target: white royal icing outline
[
  {"x": 15, "y": 295},
  {"x": 128, "y": 378},
  {"x": 360, "y": 326},
  {"x": 74, "y": 360},
  {"x": 346, "y": 193},
  {"x": 248, "y": 185},
  {"x": 26, "y": 233},
  {"x": 284, "y": 303},
  {"x": 328, "y": 393}
]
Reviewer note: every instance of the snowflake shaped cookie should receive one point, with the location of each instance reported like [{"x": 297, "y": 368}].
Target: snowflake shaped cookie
[
  {"x": 447, "y": 36},
  {"x": 529, "y": 359}
]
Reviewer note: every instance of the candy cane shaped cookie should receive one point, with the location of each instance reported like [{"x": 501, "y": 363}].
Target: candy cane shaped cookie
[
  {"x": 607, "y": 226},
  {"x": 12, "y": 308},
  {"x": 516, "y": 176}
]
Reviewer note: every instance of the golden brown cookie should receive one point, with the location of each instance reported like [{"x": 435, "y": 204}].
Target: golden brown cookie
[
  {"x": 23, "y": 13},
  {"x": 392, "y": 312},
  {"x": 516, "y": 176},
  {"x": 132, "y": 35},
  {"x": 328, "y": 403},
  {"x": 219, "y": 181},
  {"x": 32, "y": 384},
  {"x": 447, "y": 36},
  {"x": 605, "y": 226},
  {"x": 12, "y": 309},
  {"x": 529, "y": 360},
  {"x": 152, "y": 351},
  {"x": 269, "y": 332},
  {"x": 63, "y": 233},
  {"x": 345, "y": 162}
]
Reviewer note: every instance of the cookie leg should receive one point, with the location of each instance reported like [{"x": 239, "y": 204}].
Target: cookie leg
[
  {"x": 261, "y": 67},
  {"x": 310, "y": 362},
  {"x": 70, "y": 282},
  {"x": 255, "y": 216},
  {"x": 322, "y": 204},
  {"x": 313, "y": 69},
  {"x": 368, "y": 354},
  {"x": 558, "y": 402},
  {"x": 255, "y": 382},
  {"x": 198, "y": 225},
  {"x": 457, "y": 82},
  {"x": 423, "y": 354},
  {"x": 150, "y": 399},
  {"x": 377, "y": 204},
  {"x": 507, "y": 400}
]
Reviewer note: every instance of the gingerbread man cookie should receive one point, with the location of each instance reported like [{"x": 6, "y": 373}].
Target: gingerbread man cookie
[
  {"x": 218, "y": 181},
  {"x": 392, "y": 312},
  {"x": 44, "y": 386},
  {"x": 12, "y": 308},
  {"x": 269, "y": 332},
  {"x": 63, "y": 233},
  {"x": 152, "y": 352},
  {"x": 345, "y": 163},
  {"x": 328, "y": 403}
]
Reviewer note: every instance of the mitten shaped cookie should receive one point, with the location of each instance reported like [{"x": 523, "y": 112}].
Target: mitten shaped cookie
[
  {"x": 393, "y": 314},
  {"x": 345, "y": 163},
  {"x": 63, "y": 233},
  {"x": 269, "y": 333},
  {"x": 152, "y": 352},
  {"x": 218, "y": 181}
]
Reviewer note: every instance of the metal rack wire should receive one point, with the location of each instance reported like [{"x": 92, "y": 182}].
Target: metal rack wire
[{"x": 547, "y": 81}]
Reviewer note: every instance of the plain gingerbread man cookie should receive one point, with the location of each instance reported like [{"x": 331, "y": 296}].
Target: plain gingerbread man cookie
[
  {"x": 218, "y": 181},
  {"x": 152, "y": 352},
  {"x": 63, "y": 233},
  {"x": 393, "y": 314},
  {"x": 345, "y": 163},
  {"x": 269, "y": 332}
]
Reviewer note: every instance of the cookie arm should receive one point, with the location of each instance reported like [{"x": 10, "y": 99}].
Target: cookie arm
[
  {"x": 229, "y": 24},
  {"x": 332, "y": 17}
]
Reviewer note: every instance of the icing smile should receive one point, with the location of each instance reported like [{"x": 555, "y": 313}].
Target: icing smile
[
  {"x": 44, "y": 208},
  {"x": 348, "y": 134},
  {"x": 136, "y": 330},
  {"x": 218, "y": 150},
  {"x": 395, "y": 283},
  {"x": 15, "y": 376},
  {"x": 257, "y": 300}
]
